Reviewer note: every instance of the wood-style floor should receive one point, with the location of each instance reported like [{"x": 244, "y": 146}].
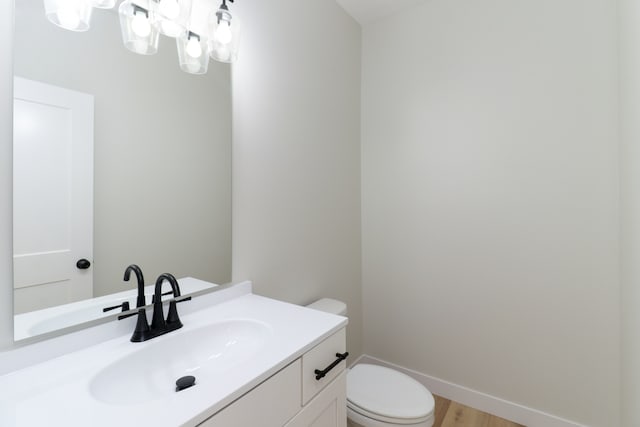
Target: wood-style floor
[{"x": 453, "y": 414}]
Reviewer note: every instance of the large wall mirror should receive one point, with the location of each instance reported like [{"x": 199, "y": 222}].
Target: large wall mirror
[{"x": 119, "y": 159}]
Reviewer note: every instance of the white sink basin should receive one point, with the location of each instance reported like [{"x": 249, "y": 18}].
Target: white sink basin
[
  {"x": 232, "y": 341},
  {"x": 151, "y": 372}
]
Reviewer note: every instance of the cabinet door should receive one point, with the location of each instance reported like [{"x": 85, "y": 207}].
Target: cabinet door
[
  {"x": 327, "y": 409},
  {"x": 271, "y": 404}
]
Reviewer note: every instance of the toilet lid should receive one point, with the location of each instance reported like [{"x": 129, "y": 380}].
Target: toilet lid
[{"x": 388, "y": 393}]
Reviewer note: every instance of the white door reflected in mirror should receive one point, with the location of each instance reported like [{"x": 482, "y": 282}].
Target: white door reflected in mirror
[{"x": 53, "y": 195}]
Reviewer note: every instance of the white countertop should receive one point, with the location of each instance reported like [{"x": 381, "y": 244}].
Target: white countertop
[{"x": 57, "y": 392}]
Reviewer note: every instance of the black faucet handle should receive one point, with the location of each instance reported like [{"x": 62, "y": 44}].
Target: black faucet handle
[
  {"x": 125, "y": 307},
  {"x": 143, "y": 331},
  {"x": 173, "y": 320}
]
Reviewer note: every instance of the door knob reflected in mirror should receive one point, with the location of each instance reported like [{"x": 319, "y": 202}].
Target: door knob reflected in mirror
[{"x": 83, "y": 264}]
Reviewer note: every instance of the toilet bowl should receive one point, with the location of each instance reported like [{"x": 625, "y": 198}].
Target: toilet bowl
[{"x": 378, "y": 396}]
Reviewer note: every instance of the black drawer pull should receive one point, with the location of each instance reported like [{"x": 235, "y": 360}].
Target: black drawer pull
[{"x": 340, "y": 357}]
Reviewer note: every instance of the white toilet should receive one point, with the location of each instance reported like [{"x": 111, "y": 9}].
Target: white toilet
[{"x": 381, "y": 397}]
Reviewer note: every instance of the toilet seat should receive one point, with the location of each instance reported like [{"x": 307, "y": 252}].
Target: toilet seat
[{"x": 388, "y": 396}]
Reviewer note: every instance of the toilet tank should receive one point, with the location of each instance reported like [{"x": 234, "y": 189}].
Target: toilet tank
[{"x": 329, "y": 305}]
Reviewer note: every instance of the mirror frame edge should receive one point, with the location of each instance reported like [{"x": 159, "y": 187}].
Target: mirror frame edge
[{"x": 6, "y": 174}]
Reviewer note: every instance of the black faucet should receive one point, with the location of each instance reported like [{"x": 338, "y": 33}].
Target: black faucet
[
  {"x": 159, "y": 325},
  {"x": 158, "y": 322},
  {"x": 140, "y": 302}
]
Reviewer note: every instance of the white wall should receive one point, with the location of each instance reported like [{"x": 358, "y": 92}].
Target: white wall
[
  {"x": 630, "y": 155},
  {"x": 296, "y": 158},
  {"x": 490, "y": 199}
]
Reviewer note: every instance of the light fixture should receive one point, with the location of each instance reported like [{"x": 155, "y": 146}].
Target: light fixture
[
  {"x": 139, "y": 35},
  {"x": 172, "y": 16},
  {"x": 224, "y": 34},
  {"x": 73, "y": 15},
  {"x": 200, "y": 31},
  {"x": 192, "y": 52}
]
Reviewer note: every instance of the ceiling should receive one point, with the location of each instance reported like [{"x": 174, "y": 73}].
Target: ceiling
[{"x": 365, "y": 11}]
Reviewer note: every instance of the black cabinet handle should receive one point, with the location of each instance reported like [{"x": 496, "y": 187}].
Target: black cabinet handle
[
  {"x": 83, "y": 264},
  {"x": 322, "y": 373}
]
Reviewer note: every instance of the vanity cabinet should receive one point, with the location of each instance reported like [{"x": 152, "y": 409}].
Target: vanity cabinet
[
  {"x": 327, "y": 409},
  {"x": 293, "y": 397}
]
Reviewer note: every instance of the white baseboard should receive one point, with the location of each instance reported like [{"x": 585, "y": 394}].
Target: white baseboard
[{"x": 493, "y": 405}]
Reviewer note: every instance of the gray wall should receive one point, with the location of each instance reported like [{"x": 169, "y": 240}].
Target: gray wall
[
  {"x": 630, "y": 155},
  {"x": 162, "y": 147},
  {"x": 296, "y": 158},
  {"x": 490, "y": 200}
]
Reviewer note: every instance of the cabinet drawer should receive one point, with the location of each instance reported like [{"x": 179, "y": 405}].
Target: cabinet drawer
[
  {"x": 271, "y": 404},
  {"x": 320, "y": 357}
]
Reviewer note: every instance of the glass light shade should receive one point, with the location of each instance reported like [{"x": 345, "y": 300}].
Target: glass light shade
[
  {"x": 139, "y": 35},
  {"x": 224, "y": 36},
  {"x": 73, "y": 15},
  {"x": 172, "y": 16},
  {"x": 103, "y": 4},
  {"x": 192, "y": 53}
]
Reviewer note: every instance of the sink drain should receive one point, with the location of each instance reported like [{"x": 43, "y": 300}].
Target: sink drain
[{"x": 185, "y": 382}]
